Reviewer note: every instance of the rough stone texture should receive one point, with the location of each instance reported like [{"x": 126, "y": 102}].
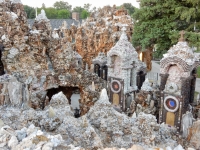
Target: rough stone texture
[
  {"x": 195, "y": 135},
  {"x": 101, "y": 127},
  {"x": 100, "y": 32},
  {"x": 39, "y": 62},
  {"x": 178, "y": 76}
]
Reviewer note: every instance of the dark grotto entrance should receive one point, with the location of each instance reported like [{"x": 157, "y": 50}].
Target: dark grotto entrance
[
  {"x": 72, "y": 94},
  {"x": 67, "y": 91}
]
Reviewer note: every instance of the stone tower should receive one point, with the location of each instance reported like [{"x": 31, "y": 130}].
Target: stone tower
[
  {"x": 178, "y": 70},
  {"x": 122, "y": 72}
]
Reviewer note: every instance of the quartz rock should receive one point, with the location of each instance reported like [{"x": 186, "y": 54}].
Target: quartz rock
[
  {"x": 13, "y": 142},
  {"x": 1, "y": 123},
  {"x": 136, "y": 147},
  {"x": 146, "y": 85},
  {"x": 58, "y": 99},
  {"x": 15, "y": 92},
  {"x": 48, "y": 146},
  {"x": 194, "y": 141},
  {"x": 179, "y": 147},
  {"x": 21, "y": 134},
  {"x": 168, "y": 148}
]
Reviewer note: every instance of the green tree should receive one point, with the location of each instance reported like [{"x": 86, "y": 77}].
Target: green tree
[
  {"x": 62, "y": 5},
  {"x": 84, "y": 14},
  {"x": 159, "y": 22},
  {"x": 43, "y": 6},
  {"x": 30, "y": 11},
  {"x": 63, "y": 14},
  {"x": 131, "y": 9},
  {"x": 78, "y": 9},
  {"x": 51, "y": 12},
  {"x": 87, "y": 7}
]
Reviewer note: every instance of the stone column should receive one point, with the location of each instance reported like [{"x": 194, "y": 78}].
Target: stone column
[
  {"x": 185, "y": 91},
  {"x": 133, "y": 76},
  {"x": 192, "y": 89},
  {"x": 163, "y": 80}
]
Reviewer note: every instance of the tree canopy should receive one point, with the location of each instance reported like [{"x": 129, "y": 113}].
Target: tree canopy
[
  {"x": 83, "y": 12},
  {"x": 62, "y": 5},
  {"x": 30, "y": 11},
  {"x": 60, "y": 10},
  {"x": 63, "y": 14},
  {"x": 158, "y": 23},
  {"x": 131, "y": 9}
]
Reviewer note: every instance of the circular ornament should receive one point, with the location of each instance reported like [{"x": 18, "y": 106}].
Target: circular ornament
[
  {"x": 115, "y": 86},
  {"x": 171, "y": 104}
]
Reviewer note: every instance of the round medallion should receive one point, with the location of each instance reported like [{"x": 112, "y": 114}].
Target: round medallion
[
  {"x": 171, "y": 104},
  {"x": 115, "y": 86}
]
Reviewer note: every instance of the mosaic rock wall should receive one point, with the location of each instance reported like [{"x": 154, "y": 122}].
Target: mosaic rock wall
[
  {"x": 99, "y": 33},
  {"x": 37, "y": 60},
  {"x": 101, "y": 127}
]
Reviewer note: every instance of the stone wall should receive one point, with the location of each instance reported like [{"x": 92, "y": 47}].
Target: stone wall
[{"x": 37, "y": 60}]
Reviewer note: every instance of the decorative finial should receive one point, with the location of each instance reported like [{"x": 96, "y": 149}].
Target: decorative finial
[{"x": 182, "y": 39}]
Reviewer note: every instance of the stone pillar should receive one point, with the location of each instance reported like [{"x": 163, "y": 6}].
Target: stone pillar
[
  {"x": 133, "y": 76},
  {"x": 163, "y": 80},
  {"x": 192, "y": 89},
  {"x": 185, "y": 91}
]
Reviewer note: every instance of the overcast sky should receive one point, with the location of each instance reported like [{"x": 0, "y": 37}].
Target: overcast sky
[{"x": 96, "y": 3}]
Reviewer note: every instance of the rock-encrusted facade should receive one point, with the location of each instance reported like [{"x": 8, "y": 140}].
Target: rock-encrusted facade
[
  {"x": 178, "y": 72},
  {"x": 37, "y": 60},
  {"x": 99, "y": 32},
  {"x": 123, "y": 65}
]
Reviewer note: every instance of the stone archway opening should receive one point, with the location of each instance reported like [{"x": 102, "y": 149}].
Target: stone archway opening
[{"x": 72, "y": 94}]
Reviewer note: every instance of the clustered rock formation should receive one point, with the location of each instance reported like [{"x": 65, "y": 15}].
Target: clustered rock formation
[
  {"x": 42, "y": 71},
  {"x": 99, "y": 33},
  {"x": 101, "y": 127},
  {"x": 37, "y": 60}
]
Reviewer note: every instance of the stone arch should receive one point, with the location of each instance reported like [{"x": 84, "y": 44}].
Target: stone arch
[{"x": 166, "y": 63}]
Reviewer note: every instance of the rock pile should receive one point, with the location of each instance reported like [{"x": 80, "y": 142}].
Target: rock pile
[{"x": 101, "y": 127}]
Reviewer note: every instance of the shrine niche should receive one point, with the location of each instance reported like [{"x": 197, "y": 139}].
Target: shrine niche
[
  {"x": 178, "y": 68},
  {"x": 100, "y": 65},
  {"x": 122, "y": 62}
]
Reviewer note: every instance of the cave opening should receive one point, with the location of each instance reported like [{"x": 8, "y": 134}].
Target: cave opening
[{"x": 72, "y": 94}]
